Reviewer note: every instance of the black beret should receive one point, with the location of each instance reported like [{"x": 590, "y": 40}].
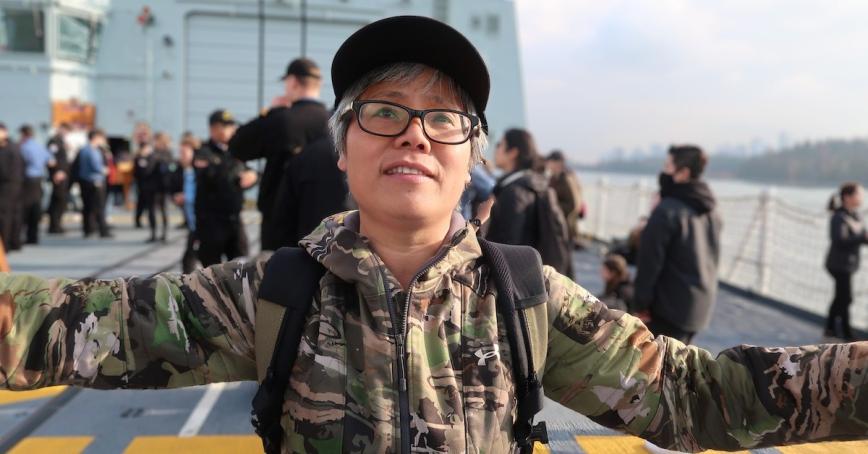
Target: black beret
[{"x": 412, "y": 39}]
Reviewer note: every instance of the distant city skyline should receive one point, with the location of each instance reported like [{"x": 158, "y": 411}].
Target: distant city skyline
[{"x": 607, "y": 74}]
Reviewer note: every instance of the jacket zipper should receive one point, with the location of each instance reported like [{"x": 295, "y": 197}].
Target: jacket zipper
[
  {"x": 400, "y": 345},
  {"x": 403, "y": 398}
]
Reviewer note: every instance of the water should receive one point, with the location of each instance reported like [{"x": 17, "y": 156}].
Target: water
[
  {"x": 813, "y": 199},
  {"x": 773, "y": 246}
]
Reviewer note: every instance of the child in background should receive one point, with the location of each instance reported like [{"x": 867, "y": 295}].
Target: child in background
[{"x": 619, "y": 290}]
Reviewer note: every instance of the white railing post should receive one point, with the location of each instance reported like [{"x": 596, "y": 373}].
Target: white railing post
[
  {"x": 766, "y": 213},
  {"x": 602, "y": 201},
  {"x": 641, "y": 198}
]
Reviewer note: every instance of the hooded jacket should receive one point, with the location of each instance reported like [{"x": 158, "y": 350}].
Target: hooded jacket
[
  {"x": 679, "y": 252},
  {"x": 174, "y": 330},
  {"x": 514, "y": 218}
]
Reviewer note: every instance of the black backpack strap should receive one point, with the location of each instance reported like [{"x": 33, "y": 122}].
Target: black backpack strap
[
  {"x": 518, "y": 276},
  {"x": 288, "y": 286}
]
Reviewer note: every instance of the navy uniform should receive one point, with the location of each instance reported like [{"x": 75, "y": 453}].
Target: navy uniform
[
  {"x": 219, "y": 199},
  {"x": 11, "y": 181},
  {"x": 59, "y": 186},
  {"x": 279, "y": 135}
]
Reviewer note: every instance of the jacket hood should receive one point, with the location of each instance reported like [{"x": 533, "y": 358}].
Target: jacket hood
[
  {"x": 338, "y": 246},
  {"x": 534, "y": 181},
  {"x": 696, "y": 194}
]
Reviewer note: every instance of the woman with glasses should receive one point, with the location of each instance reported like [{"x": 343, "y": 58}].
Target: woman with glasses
[{"x": 403, "y": 347}]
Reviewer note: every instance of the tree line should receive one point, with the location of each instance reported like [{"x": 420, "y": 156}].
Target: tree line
[{"x": 808, "y": 163}]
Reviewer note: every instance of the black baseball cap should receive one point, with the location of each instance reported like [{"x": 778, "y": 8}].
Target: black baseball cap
[
  {"x": 413, "y": 39},
  {"x": 221, "y": 116},
  {"x": 302, "y": 67}
]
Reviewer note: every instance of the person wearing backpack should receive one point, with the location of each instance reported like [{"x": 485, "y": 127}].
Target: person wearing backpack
[
  {"x": 526, "y": 210},
  {"x": 417, "y": 336}
]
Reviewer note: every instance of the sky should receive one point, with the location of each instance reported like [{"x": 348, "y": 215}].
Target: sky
[{"x": 601, "y": 74}]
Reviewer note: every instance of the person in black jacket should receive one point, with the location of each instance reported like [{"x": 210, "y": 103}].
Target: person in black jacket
[
  {"x": 847, "y": 234},
  {"x": 220, "y": 184},
  {"x": 11, "y": 183},
  {"x": 312, "y": 189},
  {"x": 514, "y": 217},
  {"x": 150, "y": 174},
  {"x": 59, "y": 175},
  {"x": 294, "y": 120},
  {"x": 679, "y": 250}
]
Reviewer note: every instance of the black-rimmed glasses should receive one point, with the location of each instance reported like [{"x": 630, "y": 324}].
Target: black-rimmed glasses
[{"x": 388, "y": 119}]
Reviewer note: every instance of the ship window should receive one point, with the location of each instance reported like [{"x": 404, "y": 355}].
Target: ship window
[
  {"x": 492, "y": 24},
  {"x": 22, "y": 30},
  {"x": 77, "y": 38}
]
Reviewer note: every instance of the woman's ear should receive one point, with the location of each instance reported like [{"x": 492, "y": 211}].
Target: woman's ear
[{"x": 342, "y": 162}]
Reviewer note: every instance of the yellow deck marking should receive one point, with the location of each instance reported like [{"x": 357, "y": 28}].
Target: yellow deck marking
[
  {"x": 51, "y": 445},
  {"x": 11, "y": 397},
  {"x": 611, "y": 444},
  {"x": 828, "y": 447},
  {"x": 539, "y": 448},
  {"x": 211, "y": 444}
]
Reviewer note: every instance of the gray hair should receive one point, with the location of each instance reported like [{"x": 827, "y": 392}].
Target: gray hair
[{"x": 401, "y": 73}]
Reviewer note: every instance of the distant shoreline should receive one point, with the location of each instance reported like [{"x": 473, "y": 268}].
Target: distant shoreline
[
  {"x": 809, "y": 164},
  {"x": 728, "y": 176}
]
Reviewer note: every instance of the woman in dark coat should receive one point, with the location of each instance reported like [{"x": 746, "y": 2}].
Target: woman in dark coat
[
  {"x": 514, "y": 217},
  {"x": 847, "y": 233}
]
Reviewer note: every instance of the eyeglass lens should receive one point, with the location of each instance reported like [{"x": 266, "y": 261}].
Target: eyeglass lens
[{"x": 439, "y": 125}]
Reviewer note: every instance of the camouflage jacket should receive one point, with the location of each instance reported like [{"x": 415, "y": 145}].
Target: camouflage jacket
[{"x": 176, "y": 330}]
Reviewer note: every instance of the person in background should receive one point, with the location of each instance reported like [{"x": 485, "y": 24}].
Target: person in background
[
  {"x": 124, "y": 169},
  {"x": 312, "y": 189},
  {"x": 149, "y": 180},
  {"x": 37, "y": 160},
  {"x": 565, "y": 182},
  {"x": 59, "y": 179},
  {"x": 142, "y": 135},
  {"x": 280, "y": 135},
  {"x": 618, "y": 292},
  {"x": 520, "y": 197},
  {"x": 220, "y": 184},
  {"x": 629, "y": 247},
  {"x": 92, "y": 181},
  {"x": 679, "y": 250},
  {"x": 11, "y": 182},
  {"x": 479, "y": 191},
  {"x": 184, "y": 188},
  {"x": 164, "y": 164},
  {"x": 847, "y": 233}
]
